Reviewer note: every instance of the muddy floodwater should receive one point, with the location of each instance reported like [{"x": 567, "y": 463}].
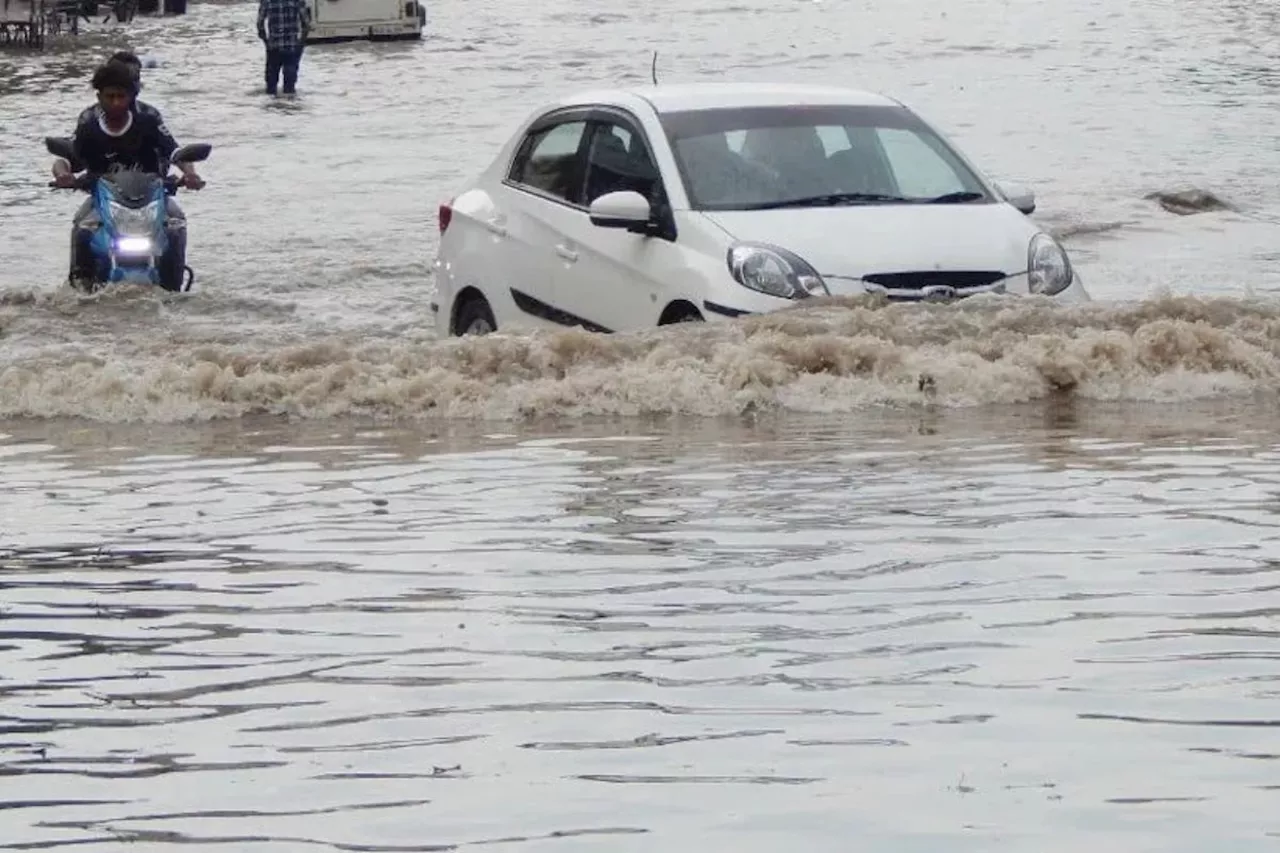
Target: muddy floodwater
[{"x": 283, "y": 572}]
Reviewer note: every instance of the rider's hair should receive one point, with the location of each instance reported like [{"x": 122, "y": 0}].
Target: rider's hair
[
  {"x": 115, "y": 75},
  {"x": 127, "y": 57}
]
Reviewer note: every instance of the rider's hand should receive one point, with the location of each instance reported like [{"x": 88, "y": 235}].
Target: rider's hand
[
  {"x": 192, "y": 182},
  {"x": 66, "y": 181}
]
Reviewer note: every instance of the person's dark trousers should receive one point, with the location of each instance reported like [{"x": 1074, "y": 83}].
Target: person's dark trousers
[{"x": 283, "y": 60}]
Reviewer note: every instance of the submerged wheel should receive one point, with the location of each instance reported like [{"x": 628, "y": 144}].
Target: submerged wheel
[
  {"x": 474, "y": 317},
  {"x": 83, "y": 283},
  {"x": 173, "y": 264},
  {"x": 681, "y": 313}
]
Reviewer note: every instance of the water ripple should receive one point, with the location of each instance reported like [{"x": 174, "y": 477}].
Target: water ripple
[{"x": 369, "y": 639}]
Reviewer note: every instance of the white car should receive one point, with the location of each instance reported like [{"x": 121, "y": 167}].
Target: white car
[{"x": 626, "y": 209}]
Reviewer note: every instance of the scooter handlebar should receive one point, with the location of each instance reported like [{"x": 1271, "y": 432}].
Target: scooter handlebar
[{"x": 171, "y": 185}]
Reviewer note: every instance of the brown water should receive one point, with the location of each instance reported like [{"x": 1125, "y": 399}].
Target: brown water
[{"x": 987, "y": 577}]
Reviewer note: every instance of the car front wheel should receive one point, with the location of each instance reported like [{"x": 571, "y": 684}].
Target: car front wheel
[{"x": 680, "y": 313}]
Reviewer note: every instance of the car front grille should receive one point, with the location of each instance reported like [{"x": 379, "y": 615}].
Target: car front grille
[{"x": 935, "y": 285}]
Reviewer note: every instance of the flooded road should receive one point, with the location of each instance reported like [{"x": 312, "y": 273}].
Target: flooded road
[
  {"x": 283, "y": 573},
  {"x": 314, "y": 239},
  {"x": 724, "y": 637}
]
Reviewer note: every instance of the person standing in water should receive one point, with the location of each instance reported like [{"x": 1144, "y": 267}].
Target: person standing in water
[{"x": 283, "y": 27}]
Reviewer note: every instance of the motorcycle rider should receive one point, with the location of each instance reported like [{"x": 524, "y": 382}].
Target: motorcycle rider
[
  {"x": 130, "y": 59},
  {"x": 118, "y": 136}
]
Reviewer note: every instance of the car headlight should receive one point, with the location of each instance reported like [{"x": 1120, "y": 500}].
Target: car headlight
[
  {"x": 774, "y": 271},
  {"x": 1048, "y": 267},
  {"x": 135, "y": 222}
]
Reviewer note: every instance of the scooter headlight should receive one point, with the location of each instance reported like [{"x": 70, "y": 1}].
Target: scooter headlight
[{"x": 134, "y": 246}]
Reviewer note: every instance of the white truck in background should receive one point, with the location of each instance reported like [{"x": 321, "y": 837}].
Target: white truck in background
[{"x": 372, "y": 20}]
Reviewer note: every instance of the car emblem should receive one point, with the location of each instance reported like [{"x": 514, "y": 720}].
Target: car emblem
[{"x": 938, "y": 293}]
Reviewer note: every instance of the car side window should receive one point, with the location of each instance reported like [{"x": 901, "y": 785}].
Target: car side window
[
  {"x": 548, "y": 160},
  {"x": 618, "y": 159}
]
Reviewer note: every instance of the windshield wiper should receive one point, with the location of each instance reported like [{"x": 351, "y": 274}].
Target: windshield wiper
[
  {"x": 829, "y": 200},
  {"x": 953, "y": 198}
]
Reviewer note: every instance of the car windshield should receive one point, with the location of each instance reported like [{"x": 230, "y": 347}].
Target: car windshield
[{"x": 761, "y": 158}]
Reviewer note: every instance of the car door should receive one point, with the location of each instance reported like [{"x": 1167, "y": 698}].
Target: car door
[
  {"x": 543, "y": 184},
  {"x": 615, "y": 278}
]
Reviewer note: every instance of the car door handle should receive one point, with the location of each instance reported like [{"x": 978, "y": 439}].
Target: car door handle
[
  {"x": 565, "y": 252},
  {"x": 496, "y": 227}
]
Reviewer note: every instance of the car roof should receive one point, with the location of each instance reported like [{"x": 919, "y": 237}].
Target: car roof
[{"x": 700, "y": 96}]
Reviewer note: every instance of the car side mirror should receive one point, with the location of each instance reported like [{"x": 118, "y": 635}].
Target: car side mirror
[
  {"x": 622, "y": 209},
  {"x": 196, "y": 152},
  {"x": 60, "y": 146},
  {"x": 1020, "y": 197}
]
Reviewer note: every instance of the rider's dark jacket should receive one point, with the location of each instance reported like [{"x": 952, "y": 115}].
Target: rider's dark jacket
[{"x": 146, "y": 143}]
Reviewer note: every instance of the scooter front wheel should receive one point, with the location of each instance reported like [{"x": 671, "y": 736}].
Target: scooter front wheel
[{"x": 83, "y": 284}]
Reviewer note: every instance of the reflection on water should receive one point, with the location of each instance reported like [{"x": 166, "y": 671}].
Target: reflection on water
[{"x": 911, "y": 630}]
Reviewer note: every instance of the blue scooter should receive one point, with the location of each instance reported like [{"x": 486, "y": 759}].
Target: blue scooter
[{"x": 133, "y": 243}]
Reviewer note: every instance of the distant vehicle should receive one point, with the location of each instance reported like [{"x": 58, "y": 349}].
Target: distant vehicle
[
  {"x": 633, "y": 208},
  {"x": 370, "y": 20}
]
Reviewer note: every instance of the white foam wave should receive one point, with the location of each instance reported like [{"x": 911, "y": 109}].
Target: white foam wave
[{"x": 840, "y": 355}]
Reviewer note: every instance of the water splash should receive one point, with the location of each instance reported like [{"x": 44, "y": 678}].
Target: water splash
[{"x": 830, "y": 355}]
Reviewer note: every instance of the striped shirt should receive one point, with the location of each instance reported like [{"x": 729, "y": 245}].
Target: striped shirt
[{"x": 285, "y": 21}]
